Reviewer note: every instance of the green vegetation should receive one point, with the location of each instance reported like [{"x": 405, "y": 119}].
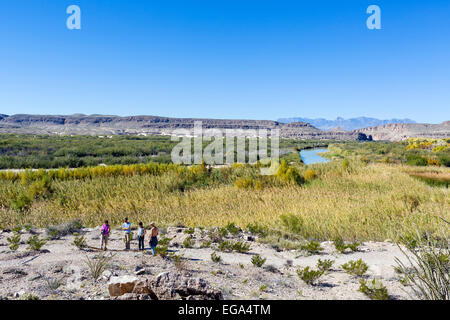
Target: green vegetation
[
  {"x": 308, "y": 275},
  {"x": 362, "y": 200},
  {"x": 355, "y": 267},
  {"x": 325, "y": 265},
  {"x": 258, "y": 261},
  {"x": 374, "y": 289},
  {"x": 312, "y": 247},
  {"x": 79, "y": 242},
  {"x": 215, "y": 257},
  {"x": 427, "y": 270},
  {"x": 34, "y": 243}
]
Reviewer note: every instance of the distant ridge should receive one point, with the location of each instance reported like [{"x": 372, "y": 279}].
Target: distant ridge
[
  {"x": 80, "y": 124},
  {"x": 345, "y": 124}
]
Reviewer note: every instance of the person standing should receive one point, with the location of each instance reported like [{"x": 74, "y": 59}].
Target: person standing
[
  {"x": 141, "y": 235},
  {"x": 154, "y": 231},
  {"x": 126, "y": 227},
  {"x": 106, "y": 230}
]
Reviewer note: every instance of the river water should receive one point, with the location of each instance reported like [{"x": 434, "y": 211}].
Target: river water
[{"x": 311, "y": 156}]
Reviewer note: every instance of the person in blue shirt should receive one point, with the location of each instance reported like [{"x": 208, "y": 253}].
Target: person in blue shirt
[{"x": 126, "y": 227}]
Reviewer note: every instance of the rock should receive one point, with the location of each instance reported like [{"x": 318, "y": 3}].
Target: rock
[
  {"x": 106, "y": 275},
  {"x": 171, "y": 285},
  {"x": 140, "y": 272},
  {"x": 128, "y": 296},
  {"x": 118, "y": 286}
]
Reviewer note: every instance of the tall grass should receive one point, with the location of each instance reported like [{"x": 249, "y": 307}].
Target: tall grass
[{"x": 375, "y": 201}]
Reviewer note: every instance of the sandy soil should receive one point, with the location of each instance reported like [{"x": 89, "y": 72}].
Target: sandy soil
[{"x": 59, "y": 270}]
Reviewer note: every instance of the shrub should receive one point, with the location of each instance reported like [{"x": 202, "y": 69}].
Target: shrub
[
  {"x": 324, "y": 265},
  {"x": 188, "y": 243},
  {"x": 28, "y": 227},
  {"x": 180, "y": 262},
  {"x": 98, "y": 264},
  {"x": 21, "y": 203},
  {"x": 71, "y": 227},
  {"x": 258, "y": 261},
  {"x": 312, "y": 247},
  {"x": 345, "y": 164},
  {"x": 225, "y": 246},
  {"x": 241, "y": 247},
  {"x": 40, "y": 189},
  {"x": 164, "y": 241},
  {"x": 415, "y": 160},
  {"x": 232, "y": 229},
  {"x": 355, "y": 267},
  {"x": 205, "y": 244},
  {"x": 189, "y": 231},
  {"x": 79, "y": 242},
  {"x": 310, "y": 175},
  {"x": 14, "y": 241},
  {"x": 428, "y": 271},
  {"x": 161, "y": 250},
  {"x": 339, "y": 244},
  {"x": 309, "y": 276},
  {"x": 215, "y": 257},
  {"x": 257, "y": 229},
  {"x": 30, "y": 297},
  {"x": 374, "y": 289},
  {"x": 34, "y": 243}
]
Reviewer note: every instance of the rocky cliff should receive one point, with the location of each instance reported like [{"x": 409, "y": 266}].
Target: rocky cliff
[{"x": 146, "y": 125}]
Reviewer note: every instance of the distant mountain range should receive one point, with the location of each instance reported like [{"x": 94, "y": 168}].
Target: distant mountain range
[
  {"x": 345, "y": 124},
  {"x": 80, "y": 124}
]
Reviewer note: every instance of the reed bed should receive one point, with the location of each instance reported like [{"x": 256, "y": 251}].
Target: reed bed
[{"x": 356, "y": 202}]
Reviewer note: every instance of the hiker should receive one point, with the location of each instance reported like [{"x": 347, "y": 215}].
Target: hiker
[
  {"x": 141, "y": 235},
  {"x": 126, "y": 227},
  {"x": 106, "y": 229},
  {"x": 154, "y": 231}
]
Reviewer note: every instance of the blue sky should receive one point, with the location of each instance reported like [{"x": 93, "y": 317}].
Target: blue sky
[{"x": 250, "y": 59}]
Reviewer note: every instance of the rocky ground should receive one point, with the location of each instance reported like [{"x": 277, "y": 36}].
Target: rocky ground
[{"x": 59, "y": 270}]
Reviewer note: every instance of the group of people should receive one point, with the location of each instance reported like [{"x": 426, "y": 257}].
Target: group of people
[{"x": 141, "y": 232}]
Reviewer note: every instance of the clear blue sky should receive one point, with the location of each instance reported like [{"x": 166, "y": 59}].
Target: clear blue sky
[{"x": 250, "y": 59}]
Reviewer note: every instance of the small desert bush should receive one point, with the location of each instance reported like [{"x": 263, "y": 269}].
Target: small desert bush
[
  {"x": 34, "y": 243},
  {"x": 98, "y": 264},
  {"x": 215, "y": 257},
  {"x": 179, "y": 261},
  {"x": 14, "y": 241},
  {"x": 21, "y": 203},
  {"x": 233, "y": 229},
  {"x": 309, "y": 276},
  {"x": 258, "y": 261},
  {"x": 325, "y": 265},
  {"x": 161, "y": 250},
  {"x": 164, "y": 241},
  {"x": 312, "y": 247},
  {"x": 79, "y": 242},
  {"x": 241, "y": 247},
  {"x": 188, "y": 243},
  {"x": 374, "y": 289},
  {"x": 61, "y": 230},
  {"x": 205, "y": 244},
  {"x": 355, "y": 267},
  {"x": 341, "y": 246}
]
